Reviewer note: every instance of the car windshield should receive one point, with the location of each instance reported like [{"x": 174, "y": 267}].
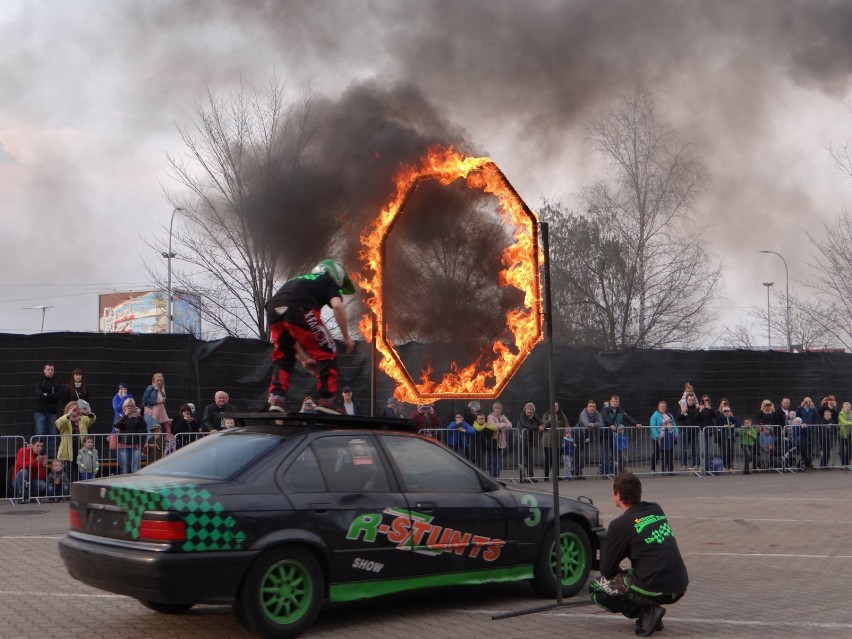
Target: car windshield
[{"x": 216, "y": 456}]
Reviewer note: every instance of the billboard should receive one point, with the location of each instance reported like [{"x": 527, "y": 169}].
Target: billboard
[{"x": 147, "y": 312}]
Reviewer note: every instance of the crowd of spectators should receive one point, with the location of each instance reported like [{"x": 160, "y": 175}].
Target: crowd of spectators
[
  {"x": 63, "y": 449},
  {"x": 695, "y": 430},
  {"x": 696, "y": 433}
]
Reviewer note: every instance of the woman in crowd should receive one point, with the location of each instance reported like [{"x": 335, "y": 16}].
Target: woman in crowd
[
  {"x": 184, "y": 425},
  {"x": 73, "y": 424},
  {"x": 132, "y": 432},
  {"x": 75, "y": 390},
  {"x": 154, "y": 401},
  {"x": 659, "y": 420},
  {"x": 499, "y": 424}
]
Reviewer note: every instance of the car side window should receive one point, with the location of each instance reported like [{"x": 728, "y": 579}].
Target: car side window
[
  {"x": 303, "y": 475},
  {"x": 350, "y": 464},
  {"x": 429, "y": 467}
]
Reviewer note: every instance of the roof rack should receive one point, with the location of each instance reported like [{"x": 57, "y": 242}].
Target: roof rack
[{"x": 322, "y": 420}]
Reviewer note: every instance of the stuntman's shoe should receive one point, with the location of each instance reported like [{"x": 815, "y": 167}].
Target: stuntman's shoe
[
  {"x": 276, "y": 401},
  {"x": 650, "y": 620},
  {"x": 657, "y": 628}
]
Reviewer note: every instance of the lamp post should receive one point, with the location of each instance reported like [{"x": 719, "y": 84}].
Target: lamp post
[
  {"x": 768, "y": 323},
  {"x": 169, "y": 257},
  {"x": 787, "y": 280}
]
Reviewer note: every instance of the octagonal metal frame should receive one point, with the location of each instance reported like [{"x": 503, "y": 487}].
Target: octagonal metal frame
[{"x": 381, "y": 333}]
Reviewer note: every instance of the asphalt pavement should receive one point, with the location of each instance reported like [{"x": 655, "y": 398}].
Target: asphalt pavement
[{"x": 768, "y": 555}]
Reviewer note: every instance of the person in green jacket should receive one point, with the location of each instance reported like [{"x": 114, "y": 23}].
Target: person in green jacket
[
  {"x": 844, "y": 418},
  {"x": 748, "y": 439}
]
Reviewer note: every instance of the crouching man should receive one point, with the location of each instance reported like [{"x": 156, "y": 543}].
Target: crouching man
[{"x": 657, "y": 574}]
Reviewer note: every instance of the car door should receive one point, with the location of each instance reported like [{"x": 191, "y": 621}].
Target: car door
[
  {"x": 460, "y": 523},
  {"x": 341, "y": 487}
]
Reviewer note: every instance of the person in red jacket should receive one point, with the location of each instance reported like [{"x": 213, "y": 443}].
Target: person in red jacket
[
  {"x": 424, "y": 418},
  {"x": 30, "y": 466}
]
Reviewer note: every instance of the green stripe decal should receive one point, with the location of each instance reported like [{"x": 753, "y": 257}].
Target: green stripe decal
[{"x": 368, "y": 589}]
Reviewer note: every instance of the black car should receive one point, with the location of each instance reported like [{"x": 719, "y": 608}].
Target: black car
[{"x": 277, "y": 518}]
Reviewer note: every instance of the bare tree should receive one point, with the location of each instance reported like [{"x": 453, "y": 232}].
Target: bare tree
[
  {"x": 639, "y": 273},
  {"x": 738, "y": 336},
  {"x": 832, "y": 283},
  {"x": 808, "y": 325},
  {"x": 587, "y": 278},
  {"x": 841, "y": 153},
  {"x": 243, "y": 158}
]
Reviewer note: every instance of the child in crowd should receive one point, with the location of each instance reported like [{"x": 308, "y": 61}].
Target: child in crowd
[
  {"x": 687, "y": 390},
  {"x": 766, "y": 442},
  {"x": 58, "y": 484},
  {"x": 458, "y": 432},
  {"x": 228, "y": 423},
  {"x": 748, "y": 442},
  {"x": 154, "y": 447},
  {"x": 481, "y": 441},
  {"x": 802, "y": 441},
  {"x": 118, "y": 400},
  {"x": 87, "y": 459},
  {"x": 620, "y": 445},
  {"x": 568, "y": 453},
  {"x": 667, "y": 444}
]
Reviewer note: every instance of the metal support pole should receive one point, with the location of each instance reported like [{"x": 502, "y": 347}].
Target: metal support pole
[
  {"x": 169, "y": 256},
  {"x": 555, "y": 439},
  {"x": 768, "y": 317},
  {"x": 787, "y": 280},
  {"x": 374, "y": 364}
]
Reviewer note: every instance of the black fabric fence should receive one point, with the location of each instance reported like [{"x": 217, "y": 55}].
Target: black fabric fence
[{"x": 194, "y": 370}]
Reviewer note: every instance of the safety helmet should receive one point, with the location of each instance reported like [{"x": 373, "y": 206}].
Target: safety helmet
[{"x": 338, "y": 274}]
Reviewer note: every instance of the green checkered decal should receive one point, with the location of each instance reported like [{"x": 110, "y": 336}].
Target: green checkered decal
[{"x": 206, "y": 528}]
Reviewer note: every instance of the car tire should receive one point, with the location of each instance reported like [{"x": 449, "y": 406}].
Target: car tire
[
  {"x": 281, "y": 594},
  {"x": 576, "y": 561},
  {"x": 167, "y": 608}
]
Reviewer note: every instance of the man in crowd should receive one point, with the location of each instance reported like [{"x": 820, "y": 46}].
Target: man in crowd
[
  {"x": 657, "y": 574},
  {"x": 46, "y": 406},
  {"x": 347, "y": 405},
  {"x": 613, "y": 417},
  {"x": 589, "y": 425},
  {"x": 392, "y": 408},
  {"x": 30, "y": 466},
  {"x": 211, "y": 419}
]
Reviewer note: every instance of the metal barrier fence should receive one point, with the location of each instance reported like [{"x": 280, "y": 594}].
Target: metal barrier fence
[
  {"x": 593, "y": 452},
  {"x": 114, "y": 455},
  {"x": 525, "y": 457},
  {"x": 9, "y": 447}
]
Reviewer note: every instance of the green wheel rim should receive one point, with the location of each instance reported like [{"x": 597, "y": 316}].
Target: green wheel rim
[
  {"x": 286, "y": 592},
  {"x": 573, "y": 558}
]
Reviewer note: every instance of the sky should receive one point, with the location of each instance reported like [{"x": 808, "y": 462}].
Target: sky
[{"x": 93, "y": 92}]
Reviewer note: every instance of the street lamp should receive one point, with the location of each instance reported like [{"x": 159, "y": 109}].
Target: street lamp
[
  {"x": 169, "y": 257},
  {"x": 41, "y": 308},
  {"x": 787, "y": 278},
  {"x": 768, "y": 323}
]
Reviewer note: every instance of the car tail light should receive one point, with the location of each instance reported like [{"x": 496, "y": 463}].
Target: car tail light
[
  {"x": 162, "y": 530},
  {"x": 74, "y": 518}
]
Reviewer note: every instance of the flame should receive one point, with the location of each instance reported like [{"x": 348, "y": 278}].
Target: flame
[{"x": 486, "y": 376}]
